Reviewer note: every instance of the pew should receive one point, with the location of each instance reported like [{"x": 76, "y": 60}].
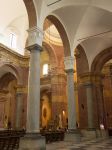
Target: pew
[
  {"x": 9, "y": 139},
  {"x": 53, "y": 136}
]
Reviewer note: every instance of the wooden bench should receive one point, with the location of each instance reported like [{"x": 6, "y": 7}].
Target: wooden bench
[
  {"x": 9, "y": 139},
  {"x": 52, "y": 136}
]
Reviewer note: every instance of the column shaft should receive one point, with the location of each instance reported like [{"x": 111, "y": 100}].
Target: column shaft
[
  {"x": 71, "y": 100},
  {"x": 33, "y": 105},
  {"x": 90, "y": 106},
  {"x": 19, "y": 105}
]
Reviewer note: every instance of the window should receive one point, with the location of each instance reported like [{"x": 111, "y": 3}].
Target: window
[
  {"x": 12, "y": 40},
  {"x": 45, "y": 69}
]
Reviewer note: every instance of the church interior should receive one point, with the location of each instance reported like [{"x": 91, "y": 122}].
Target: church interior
[{"x": 56, "y": 67}]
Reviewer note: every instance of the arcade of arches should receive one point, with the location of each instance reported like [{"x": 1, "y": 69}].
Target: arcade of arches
[{"x": 59, "y": 73}]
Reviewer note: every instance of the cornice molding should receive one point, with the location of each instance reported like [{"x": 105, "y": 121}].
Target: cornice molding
[{"x": 10, "y": 57}]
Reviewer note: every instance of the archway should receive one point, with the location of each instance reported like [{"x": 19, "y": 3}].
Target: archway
[
  {"x": 55, "y": 21},
  {"x": 8, "y": 83},
  {"x": 31, "y": 12},
  {"x": 9, "y": 80},
  {"x": 82, "y": 65},
  {"x": 100, "y": 60},
  {"x": 81, "y": 68},
  {"x": 48, "y": 56},
  {"x": 102, "y": 66}
]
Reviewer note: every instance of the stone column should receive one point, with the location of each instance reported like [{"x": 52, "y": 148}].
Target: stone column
[
  {"x": 90, "y": 105},
  {"x": 86, "y": 81},
  {"x": 19, "y": 107},
  {"x": 69, "y": 68},
  {"x": 33, "y": 139},
  {"x": 71, "y": 100},
  {"x": 73, "y": 134},
  {"x": 33, "y": 104}
]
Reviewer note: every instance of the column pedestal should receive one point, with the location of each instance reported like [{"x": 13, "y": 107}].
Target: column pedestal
[
  {"x": 72, "y": 136},
  {"x": 32, "y": 141},
  {"x": 88, "y": 134},
  {"x": 104, "y": 134},
  {"x": 19, "y": 107}
]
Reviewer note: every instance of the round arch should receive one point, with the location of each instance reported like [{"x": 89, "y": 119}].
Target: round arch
[
  {"x": 100, "y": 60},
  {"x": 5, "y": 68},
  {"x": 81, "y": 60},
  {"x": 6, "y": 79},
  {"x": 62, "y": 33},
  {"x": 31, "y": 12},
  {"x": 51, "y": 53}
]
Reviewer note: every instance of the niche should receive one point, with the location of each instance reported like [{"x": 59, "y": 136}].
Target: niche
[{"x": 82, "y": 106}]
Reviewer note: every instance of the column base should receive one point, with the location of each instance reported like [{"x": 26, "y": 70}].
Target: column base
[
  {"x": 88, "y": 134},
  {"x": 72, "y": 136},
  {"x": 104, "y": 133},
  {"x": 32, "y": 141}
]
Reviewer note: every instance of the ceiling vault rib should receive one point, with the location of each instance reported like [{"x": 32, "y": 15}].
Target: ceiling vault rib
[
  {"x": 54, "y": 3},
  {"x": 94, "y": 35}
]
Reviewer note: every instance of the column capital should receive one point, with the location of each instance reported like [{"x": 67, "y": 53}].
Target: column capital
[
  {"x": 88, "y": 84},
  {"x": 35, "y": 38},
  {"x": 69, "y": 70},
  {"x": 90, "y": 77},
  {"x": 69, "y": 64},
  {"x": 21, "y": 89},
  {"x": 34, "y": 47}
]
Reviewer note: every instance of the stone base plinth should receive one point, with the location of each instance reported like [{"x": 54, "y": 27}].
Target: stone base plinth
[
  {"x": 32, "y": 141},
  {"x": 72, "y": 136},
  {"x": 88, "y": 134},
  {"x": 104, "y": 133}
]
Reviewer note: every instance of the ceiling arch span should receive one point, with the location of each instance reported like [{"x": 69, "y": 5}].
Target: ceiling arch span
[
  {"x": 81, "y": 60},
  {"x": 90, "y": 20},
  {"x": 100, "y": 60},
  {"x": 31, "y": 12},
  {"x": 93, "y": 46},
  {"x": 62, "y": 33},
  {"x": 90, "y": 3},
  {"x": 51, "y": 52}
]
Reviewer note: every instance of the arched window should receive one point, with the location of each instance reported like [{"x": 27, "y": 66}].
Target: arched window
[
  {"x": 12, "y": 40},
  {"x": 45, "y": 69}
]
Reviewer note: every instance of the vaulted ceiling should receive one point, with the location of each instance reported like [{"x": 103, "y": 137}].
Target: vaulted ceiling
[
  {"x": 86, "y": 22},
  {"x": 9, "y": 11}
]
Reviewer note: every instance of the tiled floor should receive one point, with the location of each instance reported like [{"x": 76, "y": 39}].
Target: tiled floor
[{"x": 98, "y": 144}]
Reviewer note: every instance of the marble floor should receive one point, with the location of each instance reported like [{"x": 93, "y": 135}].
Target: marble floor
[{"x": 98, "y": 144}]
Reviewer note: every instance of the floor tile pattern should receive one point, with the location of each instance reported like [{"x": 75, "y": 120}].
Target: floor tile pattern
[{"x": 98, "y": 144}]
